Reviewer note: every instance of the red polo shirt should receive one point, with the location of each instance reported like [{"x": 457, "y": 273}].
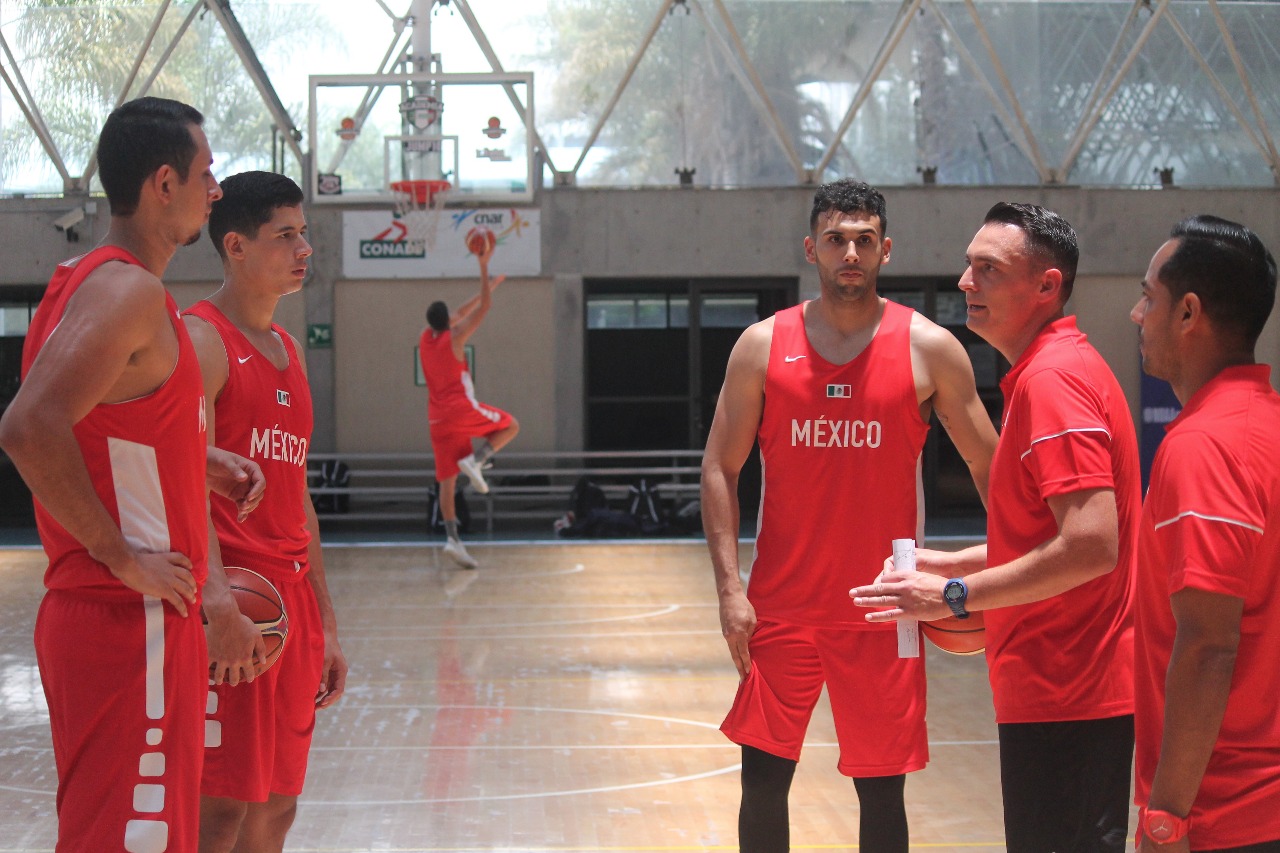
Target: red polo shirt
[
  {"x": 1067, "y": 428},
  {"x": 1212, "y": 523}
]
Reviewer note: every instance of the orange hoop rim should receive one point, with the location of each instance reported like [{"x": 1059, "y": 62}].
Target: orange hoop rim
[{"x": 421, "y": 191}]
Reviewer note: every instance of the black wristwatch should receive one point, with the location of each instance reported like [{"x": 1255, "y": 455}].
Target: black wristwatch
[{"x": 955, "y": 593}]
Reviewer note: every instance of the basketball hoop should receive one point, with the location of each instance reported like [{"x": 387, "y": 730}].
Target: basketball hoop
[{"x": 419, "y": 206}]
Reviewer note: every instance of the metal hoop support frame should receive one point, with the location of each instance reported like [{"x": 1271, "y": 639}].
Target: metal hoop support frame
[{"x": 419, "y": 205}]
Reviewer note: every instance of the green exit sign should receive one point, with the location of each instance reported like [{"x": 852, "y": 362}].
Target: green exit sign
[{"x": 319, "y": 336}]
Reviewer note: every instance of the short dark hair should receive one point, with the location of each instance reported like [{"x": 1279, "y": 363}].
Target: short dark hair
[
  {"x": 1227, "y": 266},
  {"x": 438, "y": 316},
  {"x": 137, "y": 139},
  {"x": 248, "y": 202},
  {"x": 848, "y": 196},
  {"x": 1047, "y": 233}
]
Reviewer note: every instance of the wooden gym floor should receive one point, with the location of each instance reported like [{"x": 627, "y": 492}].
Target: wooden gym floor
[{"x": 563, "y": 697}]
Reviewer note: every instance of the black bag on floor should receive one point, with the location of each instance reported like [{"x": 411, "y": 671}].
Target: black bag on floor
[
  {"x": 435, "y": 521},
  {"x": 334, "y": 474},
  {"x": 645, "y": 506}
]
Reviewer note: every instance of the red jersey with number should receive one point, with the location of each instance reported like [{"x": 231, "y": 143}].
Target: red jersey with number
[
  {"x": 840, "y": 449},
  {"x": 263, "y": 413},
  {"x": 146, "y": 457},
  {"x": 1212, "y": 523},
  {"x": 1067, "y": 428}
]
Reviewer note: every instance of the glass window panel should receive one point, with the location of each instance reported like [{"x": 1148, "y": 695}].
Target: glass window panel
[
  {"x": 611, "y": 313},
  {"x": 911, "y": 299},
  {"x": 14, "y": 320},
  {"x": 951, "y": 310},
  {"x": 678, "y": 316},
  {"x": 651, "y": 313},
  {"x": 728, "y": 312}
]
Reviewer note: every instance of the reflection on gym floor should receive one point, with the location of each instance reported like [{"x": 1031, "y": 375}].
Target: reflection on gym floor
[{"x": 562, "y": 697}]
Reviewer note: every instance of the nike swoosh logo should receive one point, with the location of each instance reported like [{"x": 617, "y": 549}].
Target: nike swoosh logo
[
  {"x": 790, "y": 358},
  {"x": 243, "y": 360}
]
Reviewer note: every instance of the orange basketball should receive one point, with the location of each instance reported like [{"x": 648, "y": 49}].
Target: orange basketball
[
  {"x": 480, "y": 240},
  {"x": 258, "y": 599},
  {"x": 957, "y": 636}
]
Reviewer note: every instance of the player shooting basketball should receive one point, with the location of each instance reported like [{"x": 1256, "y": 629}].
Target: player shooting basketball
[
  {"x": 455, "y": 415},
  {"x": 259, "y": 404},
  {"x": 108, "y": 431}
]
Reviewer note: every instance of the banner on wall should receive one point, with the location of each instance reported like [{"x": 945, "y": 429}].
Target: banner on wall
[{"x": 374, "y": 245}]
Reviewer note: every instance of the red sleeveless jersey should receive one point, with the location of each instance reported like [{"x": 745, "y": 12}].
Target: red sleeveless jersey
[
  {"x": 146, "y": 457},
  {"x": 449, "y": 388},
  {"x": 263, "y": 414},
  {"x": 840, "y": 451}
]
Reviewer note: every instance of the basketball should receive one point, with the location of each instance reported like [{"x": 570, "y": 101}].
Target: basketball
[
  {"x": 480, "y": 240},
  {"x": 258, "y": 599},
  {"x": 957, "y": 636}
]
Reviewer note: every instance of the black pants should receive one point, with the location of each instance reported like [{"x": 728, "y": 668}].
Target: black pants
[{"x": 1066, "y": 785}]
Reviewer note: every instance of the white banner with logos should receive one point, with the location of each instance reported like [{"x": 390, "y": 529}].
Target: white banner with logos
[{"x": 374, "y": 246}]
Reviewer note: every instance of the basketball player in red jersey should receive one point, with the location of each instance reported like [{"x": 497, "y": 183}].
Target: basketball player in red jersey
[
  {"x": 108, "y": 430},
  {"x": 455, "y": 415},
  {"x": 1054, "y": 577},
  {"x": 1207, "y": 610},
  {"x": 839, "y": 391},
  {"x": 259, "y": 404}
]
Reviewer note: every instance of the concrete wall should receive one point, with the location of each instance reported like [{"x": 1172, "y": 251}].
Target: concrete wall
[{"x": 530, "y": 350}]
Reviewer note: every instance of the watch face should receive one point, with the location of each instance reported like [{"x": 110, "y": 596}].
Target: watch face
[
  {"x": 953, "y": 592},
  {"x": 1163, "y": 827}
]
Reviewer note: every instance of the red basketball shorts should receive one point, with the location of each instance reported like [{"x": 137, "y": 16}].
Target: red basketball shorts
[
  {"x": 125, "y": 680},
  {"x": 258, "y": 734},
  {"x": 877, "y": 698},
  {"x": 451, "y": 437}
]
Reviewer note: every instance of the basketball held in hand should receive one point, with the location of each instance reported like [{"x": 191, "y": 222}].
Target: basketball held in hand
[
  {"x": 480, "y": 240},
  {"x": 958, "y": 636},
  {"x": 259, "y": 600}
]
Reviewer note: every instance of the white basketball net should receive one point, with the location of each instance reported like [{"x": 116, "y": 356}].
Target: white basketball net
[{"x": 421, "y": 218}]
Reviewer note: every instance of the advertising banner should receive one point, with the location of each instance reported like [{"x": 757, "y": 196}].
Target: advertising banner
[{"x": 375, "y": 244}]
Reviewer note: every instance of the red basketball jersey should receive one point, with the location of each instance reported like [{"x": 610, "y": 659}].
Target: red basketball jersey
[
  {"x": 840, "y": 449},
  {"x": 449, "y": 388},
  {"x": 146, "y": 457},
  {"x": 263, "y": 414}
]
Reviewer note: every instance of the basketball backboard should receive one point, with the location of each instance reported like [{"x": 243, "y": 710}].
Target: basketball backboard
[{"x": 368, "y": 131}]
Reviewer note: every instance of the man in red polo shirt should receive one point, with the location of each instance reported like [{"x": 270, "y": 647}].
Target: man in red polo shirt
[
  {"x": 1207, "y": 612},
  {"x": 1054, "y": 577}
]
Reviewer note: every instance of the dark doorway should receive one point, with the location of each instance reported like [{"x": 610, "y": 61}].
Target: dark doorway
[
  {"x": 949, "y": 492},
  {"x": 656, "y": 356},
  {"x": 17, "y": 304}
]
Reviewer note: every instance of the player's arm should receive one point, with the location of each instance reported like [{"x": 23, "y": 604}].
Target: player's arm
[
  {"x": 333, "y": 678},
  {"x": 234, "y": 641},
  {"x": 116, "y": 316},
  {"x": 733, "y": 432},
  {"x": 471, "y": 313},
  {"x": 942, "y": 365},
  {"x": 1086, "y": 546},
  {"x": 1197, "y": 685}
]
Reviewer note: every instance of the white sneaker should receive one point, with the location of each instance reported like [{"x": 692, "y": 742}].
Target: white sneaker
[
  {"x": 471, "y": 468},
  {"x": 456, "y": 551}
]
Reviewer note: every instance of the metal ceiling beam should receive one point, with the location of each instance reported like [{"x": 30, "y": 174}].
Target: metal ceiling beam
[
  {"x": 371, "y": 94},
  {"x": 664, "y": 7},
  {"x": 900, "y": 26},
  {"x": 18, "y": 87},
  {"x": 1026, "y": 144},
  {"x": 1100, "y": 105},
  {"x": 221, "y": 9},
  {"x": 749, "y": 77},
  {"x": 478, "y": 33},
  {"x": 1271, "y": 153},
  {"x": 91, "y": 167}
]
